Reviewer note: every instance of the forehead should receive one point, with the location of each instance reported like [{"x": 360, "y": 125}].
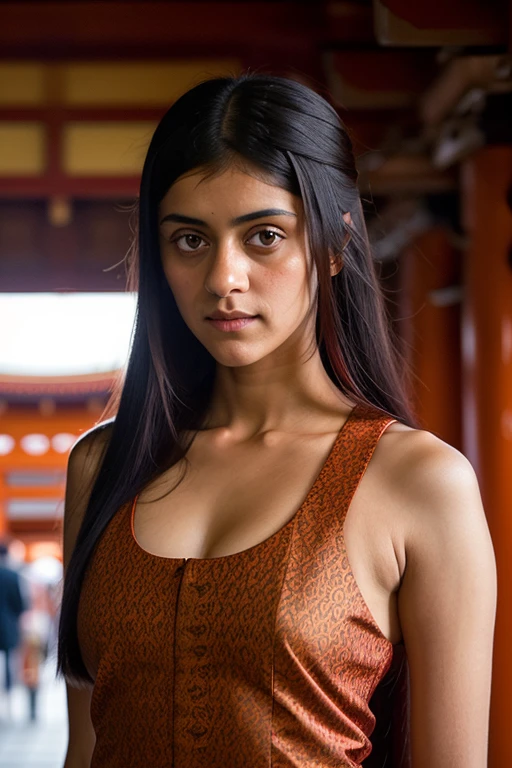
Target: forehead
[{"x": 235, "y": 189}]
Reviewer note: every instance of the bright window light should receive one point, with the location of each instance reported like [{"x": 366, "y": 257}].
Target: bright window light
[{"x": 64, "y": 334}]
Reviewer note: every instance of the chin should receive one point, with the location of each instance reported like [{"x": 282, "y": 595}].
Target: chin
[{"x": 235, "y": 355}]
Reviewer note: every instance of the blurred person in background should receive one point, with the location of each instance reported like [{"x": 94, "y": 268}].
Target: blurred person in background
[
  {"x": 32, "y": 655},
  {"x": 263, "y": 529},
  {"x": 36, "y": 626},
  {"x": 12, "y": 606}
]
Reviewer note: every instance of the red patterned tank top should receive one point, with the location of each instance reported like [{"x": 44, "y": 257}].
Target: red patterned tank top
[{"x": 267, "y": 657}]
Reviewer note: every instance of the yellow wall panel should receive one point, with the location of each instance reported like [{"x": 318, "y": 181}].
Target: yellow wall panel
[
  {"x": 22, "y": 84},
  {"x": 22, "y": 149},
  {"x": 105, "y": 149},
  {"x": 142, "y": 83}
]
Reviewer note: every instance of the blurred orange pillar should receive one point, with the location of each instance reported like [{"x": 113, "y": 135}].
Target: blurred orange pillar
[
  {"x": 430, "y": 269},
  {"x": 487, "y": 394}
]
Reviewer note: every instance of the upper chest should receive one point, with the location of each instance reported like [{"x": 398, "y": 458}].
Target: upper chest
[{"x": 226, "y": 499}]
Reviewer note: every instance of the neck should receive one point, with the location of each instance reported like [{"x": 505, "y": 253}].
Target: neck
[{"x": 274, "y": 396}]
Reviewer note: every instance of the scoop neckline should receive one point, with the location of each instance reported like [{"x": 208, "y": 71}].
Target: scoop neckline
[{"x": 265, "y": 542}]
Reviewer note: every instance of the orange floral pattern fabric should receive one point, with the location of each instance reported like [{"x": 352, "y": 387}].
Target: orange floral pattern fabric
[{"x": 267, "y": 657}]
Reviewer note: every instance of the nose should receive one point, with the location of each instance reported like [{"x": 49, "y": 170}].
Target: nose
[{"x": 227, "y": 271}]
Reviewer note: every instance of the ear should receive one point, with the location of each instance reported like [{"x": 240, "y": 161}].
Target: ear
[
  {"x": 336, "y": 260},
  {"x": 335, "y": 263}
]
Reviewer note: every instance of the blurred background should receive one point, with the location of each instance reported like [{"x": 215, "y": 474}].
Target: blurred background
[{"x": 426, "y": 92}]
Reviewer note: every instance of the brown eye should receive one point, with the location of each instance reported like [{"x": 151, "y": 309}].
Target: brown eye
[
  {"x": 266, "y": 237},
  {"x": 188, "y": 243}
]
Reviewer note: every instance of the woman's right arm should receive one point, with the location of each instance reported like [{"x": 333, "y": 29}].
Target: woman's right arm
[
  {"x": 83, "y": 464},
  {"x": 81, "y": 738}
]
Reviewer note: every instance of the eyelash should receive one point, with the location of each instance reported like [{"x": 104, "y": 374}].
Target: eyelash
[{"x": 259, "y": 232}]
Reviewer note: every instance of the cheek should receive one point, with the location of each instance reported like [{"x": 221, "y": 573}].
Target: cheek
[{"x": 288, "y": 284}]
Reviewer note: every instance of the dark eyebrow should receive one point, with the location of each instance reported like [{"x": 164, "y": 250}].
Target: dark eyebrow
[{"x": 177, "y": 217}]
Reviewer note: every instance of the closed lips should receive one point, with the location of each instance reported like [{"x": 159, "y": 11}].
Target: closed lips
[{"x": 234, "y": 316}]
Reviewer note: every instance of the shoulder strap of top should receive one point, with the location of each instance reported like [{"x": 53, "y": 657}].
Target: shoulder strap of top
[{"x": 352, "y": 453}]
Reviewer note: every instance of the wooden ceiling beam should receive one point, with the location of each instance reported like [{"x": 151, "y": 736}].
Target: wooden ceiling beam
[
  {"x": 78, "y": 188},
  {"x": 82, "y": 113},
  {"x": 153, "y": 29},
  {"x": 450, "y": 22},
  {"x": 373, "y": 79},
  {"x": 347, "y": 23}
]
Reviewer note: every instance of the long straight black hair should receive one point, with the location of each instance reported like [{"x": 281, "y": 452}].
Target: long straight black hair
[{"x": 294, "y": 137}]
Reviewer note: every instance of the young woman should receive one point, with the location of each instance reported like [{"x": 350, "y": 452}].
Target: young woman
[{"x": 263, "y": 526}]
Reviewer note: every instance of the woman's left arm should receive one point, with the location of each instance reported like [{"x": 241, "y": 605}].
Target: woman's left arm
[{"x": 447, "y": 605}]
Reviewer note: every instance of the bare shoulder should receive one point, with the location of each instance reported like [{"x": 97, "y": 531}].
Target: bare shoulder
[
  {"x": 447, "y": 595},
  {"x": 419, "y": 460},
  {"x": 434, "y": 485},
  {"x": 421, "y": 452},
  {"x": 82, "y": 468}
]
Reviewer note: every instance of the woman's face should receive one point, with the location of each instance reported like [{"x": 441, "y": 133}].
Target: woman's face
[{"x": 234, "y": 252}]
